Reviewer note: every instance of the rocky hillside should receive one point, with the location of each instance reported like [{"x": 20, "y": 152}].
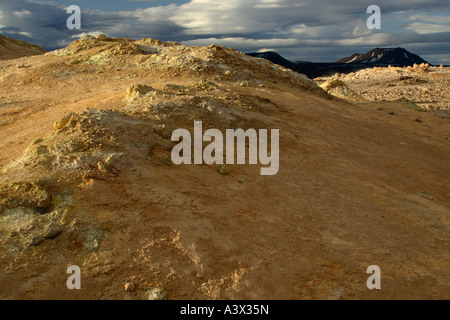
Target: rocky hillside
[
  {"x": 13, "y": 49},
  {"x": 86, "y": 179},
  {"x": 422, "y": 87}
]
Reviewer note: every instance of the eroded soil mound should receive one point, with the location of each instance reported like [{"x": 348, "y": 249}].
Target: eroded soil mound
[
  {"x": 87, "y": 179},
  {"x": 424, "y": 85}
]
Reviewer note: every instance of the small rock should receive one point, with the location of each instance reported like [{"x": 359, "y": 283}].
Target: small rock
[
  {"x": 137, "y": 90},
  {"x": 25, "y": 194},
  {"x": 129, "y": 286},
  {"x": 155, "y": 294},
  {"x": 101, "y": 166},
  {"x": 175, "y": 87},
  {"x": 418, "y": 120},
  {"x": 48, "y": 232},
  {"x": 61, "y": 123},
  {"x": 425, "y": 195},
  {"x": 391, "y": 113},
  {"x": 223, "y": 169},
  {"x": 23, "y": 66}
]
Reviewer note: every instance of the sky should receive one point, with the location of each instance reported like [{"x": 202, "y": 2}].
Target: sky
[{"x": 307, "y": 30}]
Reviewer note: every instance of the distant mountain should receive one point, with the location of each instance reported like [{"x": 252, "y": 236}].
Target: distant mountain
[
  {"x": 275, "y": 58},
  {"x": 13, "y": 49},
  {"x": 381, "y": 57},
  {"x": 385, "y": 56}
]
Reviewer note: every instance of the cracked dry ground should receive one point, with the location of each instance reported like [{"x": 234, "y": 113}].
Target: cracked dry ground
[{"x": 86, "y": 179}]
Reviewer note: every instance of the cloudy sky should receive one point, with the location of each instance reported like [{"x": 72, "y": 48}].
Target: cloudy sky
[{"x": 311, "y": 30}]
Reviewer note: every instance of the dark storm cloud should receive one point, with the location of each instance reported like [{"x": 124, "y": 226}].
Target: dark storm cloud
[{"x": 44, "y": 23}]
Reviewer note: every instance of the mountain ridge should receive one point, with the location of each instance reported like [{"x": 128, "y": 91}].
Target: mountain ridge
[
  {"x": 393, "y": 56},
  {"x": 378, "y": 57}
]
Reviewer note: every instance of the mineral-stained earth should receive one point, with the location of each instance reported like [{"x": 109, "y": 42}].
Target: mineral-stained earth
[{"x": 86, "y": 179}]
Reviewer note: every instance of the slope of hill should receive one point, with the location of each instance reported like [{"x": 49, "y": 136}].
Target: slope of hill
[
  {"x": 86, "y": 179},
  {"x": 385, "y": 56},
  {"x": 13, "y": 49}
]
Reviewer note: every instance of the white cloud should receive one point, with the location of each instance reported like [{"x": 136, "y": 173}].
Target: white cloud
[
  {"x": 429, "y": 18},
  {"x": 241, "y": 42},
  {"x": 22, "y": 13},
  {"x": 266, "y": 49},
  {"x": 93, "y": 34},
  {"x": 427, "y": 28}
]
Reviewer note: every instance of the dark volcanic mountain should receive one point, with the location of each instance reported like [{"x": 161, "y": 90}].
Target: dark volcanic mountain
[
  {"x": 381, "y": 57},
  {"x": 275, "y": 58},
  {"x": 385, "y": 56}
]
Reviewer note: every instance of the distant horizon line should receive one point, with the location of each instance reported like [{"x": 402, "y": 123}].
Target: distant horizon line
[{"x": 50, "y": 49}]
